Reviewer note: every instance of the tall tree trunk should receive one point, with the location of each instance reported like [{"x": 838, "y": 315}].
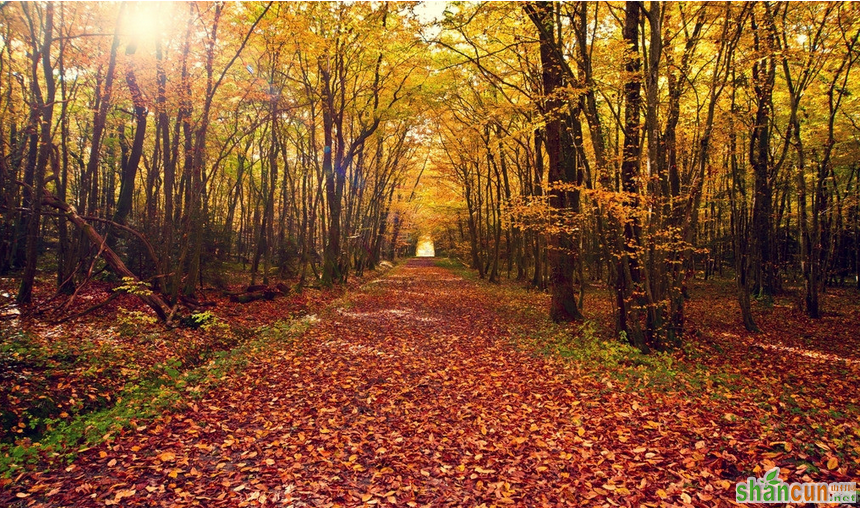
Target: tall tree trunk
[
  {"x": 538, "y": 280},
  {"x": 628, "y": 300},
  {"x": 169, "y": 169},
  {"x": 332, "y": 251},
  {"x": 66, "y": 263},
  {"x": 763, "y": 81},
  {"x": 820, "y": 237},
  {"x": 198, "y": 185},
  {"x": 46, "y": 106},
  {"x": 560, "y": 256},
  {"x": 740, "y": 223},
  {"x": 130, "y": 169}
]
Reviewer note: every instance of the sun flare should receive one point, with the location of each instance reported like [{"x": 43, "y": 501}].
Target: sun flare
[{"x": 147, "y": 21}]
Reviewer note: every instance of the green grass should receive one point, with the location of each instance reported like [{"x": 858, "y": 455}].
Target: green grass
[
  {"x": 450, "y": 263},
  {"x": 589, "y": 351},
  {"x": 458, "y": 267},
  {"x": 165, "y": 388}
]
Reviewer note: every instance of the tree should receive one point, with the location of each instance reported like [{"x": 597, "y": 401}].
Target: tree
[
  {"x": 43, "y": 111},
  {"x": 563, "y": 306}
]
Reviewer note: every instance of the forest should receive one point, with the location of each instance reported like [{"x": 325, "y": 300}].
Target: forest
[{"x": 206, "y": 202}]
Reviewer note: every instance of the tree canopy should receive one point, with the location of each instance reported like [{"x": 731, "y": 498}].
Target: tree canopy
[{"x": 631, "y": 144}]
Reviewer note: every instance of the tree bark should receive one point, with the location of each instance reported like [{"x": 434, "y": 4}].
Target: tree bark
[
  {"x": 763, "y": 81},
  {"x": 560, "y": 256},
  {"x": 627, "y": 269},
  {"x": 130, "y": 169},
  {"x": 46, "y": 107}
]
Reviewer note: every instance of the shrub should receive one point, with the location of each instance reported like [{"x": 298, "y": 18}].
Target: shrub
[{"x": 130, "y": 322}]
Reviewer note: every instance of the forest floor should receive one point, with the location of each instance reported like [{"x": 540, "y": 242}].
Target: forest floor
[{"x": 428, "y": 388}]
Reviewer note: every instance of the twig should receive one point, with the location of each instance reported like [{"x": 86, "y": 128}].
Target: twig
[
  {"x": 88, "y": 310},
  {"x": 86, "y": 281}
]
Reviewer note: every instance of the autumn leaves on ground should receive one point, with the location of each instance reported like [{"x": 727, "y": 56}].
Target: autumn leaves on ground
[{"x": 427, "y": 388}]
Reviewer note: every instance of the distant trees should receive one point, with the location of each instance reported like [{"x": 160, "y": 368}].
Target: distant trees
[
  {"x": 223, "y": 136},
  {"x": 632, "y": 145},
  {"x": 695, "y": 155}
]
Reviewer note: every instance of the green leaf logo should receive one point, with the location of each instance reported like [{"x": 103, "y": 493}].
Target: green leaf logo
[{"x": 771, "y": 476}]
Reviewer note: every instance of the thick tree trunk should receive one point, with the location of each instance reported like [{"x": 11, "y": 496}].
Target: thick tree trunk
[
  {"x": 627, "y": 270},
  {"x": 560, "y": 256},
  {"x": 763, "y": 80},
  {"x": 332, "y": 250}
]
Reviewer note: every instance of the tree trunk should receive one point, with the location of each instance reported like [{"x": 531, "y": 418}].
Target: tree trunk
[
  {"x": 560, "y": 256},
  {"x": 763, "y": 80},
  {"x": 740, "y": 227},
  {"x": 332, "y": 251},
  {"x": 153, "y": 300},
  {"x": 130, "y": 169},
  {"x": 627, "y": 269},
  {"x": 46, "y": 105}
]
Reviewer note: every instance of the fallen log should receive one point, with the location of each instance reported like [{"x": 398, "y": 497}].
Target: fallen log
[
  {"x": 253, "y": 296},
  {"x": 160, "y": 307},
  {"x": 195, "y": 304},
  {"x": 257, "y": 292}
]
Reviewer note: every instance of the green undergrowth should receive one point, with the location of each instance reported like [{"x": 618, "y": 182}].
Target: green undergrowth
[
  {"x": 589, "y": 351},
  {"x": 789, "y": 403},
  {"x": 52, "y": 378},
  {"x": 166, "y": 387},
  {"x": 454, "y": 265}
]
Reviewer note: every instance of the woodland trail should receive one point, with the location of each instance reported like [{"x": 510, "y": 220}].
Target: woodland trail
[{"x": 410, "y": 396}]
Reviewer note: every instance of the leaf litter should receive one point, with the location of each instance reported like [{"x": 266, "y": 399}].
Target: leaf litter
[{"x": 377, "y": 409}]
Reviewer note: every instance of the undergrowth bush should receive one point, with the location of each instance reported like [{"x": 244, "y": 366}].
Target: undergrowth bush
[
  {"x": 169, "y": 385},
  {"x": 582, "y": 345},
  {"x": 130, "y": 322}
]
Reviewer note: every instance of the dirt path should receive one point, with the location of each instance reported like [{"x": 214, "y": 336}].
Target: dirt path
[{"x": 411, "y": 396}]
